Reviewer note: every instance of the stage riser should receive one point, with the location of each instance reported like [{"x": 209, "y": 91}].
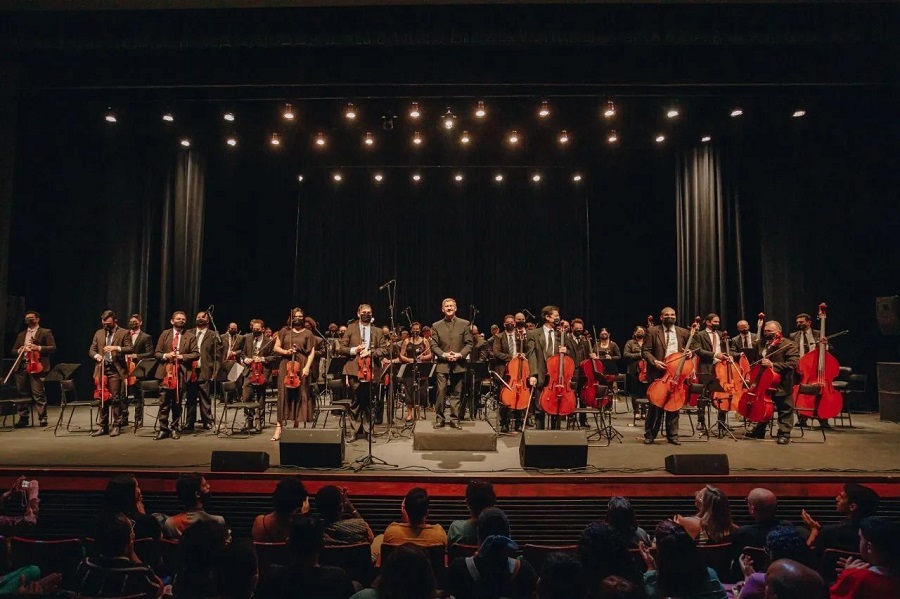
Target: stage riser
[{"x": 473, "y": 436}]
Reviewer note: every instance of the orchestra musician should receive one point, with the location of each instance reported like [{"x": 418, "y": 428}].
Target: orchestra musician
[
  {"x": 295, "y": 342},
  {"x": 143, "y": 350},
  {"x": 579, "y": 349},
  {"x": 451, "y": 341},
  {"x": 231, "y": 341},
  {"x": 506, "y": 346},
  {"x": 540, "y": 344},
  {"x": 40, "y": 339},
  {"x": 605, "y": 348},
  {"x": 745, "y": 341},
  {"x": 805, "y": 338},
  {"x": 198, "y": 383},
  {"x": 634, "y": 348},
  {"x": 415, "y": 352},
  {"x": 178, "y": 347},
  {"x": 782, "y": 358},
  {"x": 254, "y": 348},
  {"x": 362, "y": 339},
  {"x": 109, "y": 347},
  {"x": 662, "y": 340},
  {"x": 710, "y": 349}
]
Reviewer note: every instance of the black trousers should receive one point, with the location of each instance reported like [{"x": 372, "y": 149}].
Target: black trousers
[
  {"x": 257, "y": 395},
  {"x": 655, "y": 417},
  {"x": 171, "y": 404},
  {"x": 114, "y": 403},
  {"x": 31, "y": 385},
  {"x": 362, "y": 395},
  {"x": 198, "y": 390},
  {"x": 452, "y": 383}
]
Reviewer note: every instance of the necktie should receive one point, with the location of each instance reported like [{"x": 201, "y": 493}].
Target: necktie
[
  {"x": 668, "y": 338},
  {"x": 746, "y": 339},
  {"x": 107, "y": 358},
  {"x": 804, "y": 344},
  {"x": 549, "y": 343},
  {"x": 366, "y": 336},
  {"x": 175, "y": 340}
]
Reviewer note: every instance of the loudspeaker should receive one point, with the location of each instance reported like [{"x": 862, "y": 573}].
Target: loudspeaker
[
  {"x": 239, "y": 461},
  {"x": 701, "y": 463},
  {"x": 553, "y": 449},
  {"x": 889, "y": 391},
  {"x": 887, "y": 311},
  {"x": 312, "y": 447}
]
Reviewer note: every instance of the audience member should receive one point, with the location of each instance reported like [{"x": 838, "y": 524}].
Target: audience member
[
  {"x": 678, "y": 571},
  {"x": 877, "y": 573},
  {"x": 494, "y": 571},
  {"x": 343, "y": 523},
  {"x": 201, "y": 545},
  {"x": 713, "y": 523},
  {"x": 854, "y": 503},
  {"x": 603, "y": 553},
  {"x": 479, "y": 495},
  {"x": 620, "y": 516},
  {"x": 237, "y": 572},
  {"x": 406, "y": 574},
  {"x": 116, "y": 571},
  {"x": 782, "y": 542},
  {"x": 762, "y": 505},
  {"x": 304, "y": 577},
  {"x": 22, "y": 498},
  {"x": 562, "y": 578},
  {"x": 290, "y": 499},
  {"x": 616, "y": 587},
  {"x": 414, "y": 528},
  {"x": 123, "y": 495},
  {"x": 194, "y": 493},
  {"x": 787, "y": 579}
]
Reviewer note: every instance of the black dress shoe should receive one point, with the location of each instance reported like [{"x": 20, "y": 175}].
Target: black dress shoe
[
  {"x": 648, "y": 441},
  {"x": 21, "y": 423},
  {"x": 207, "y": 426},
  {"x": 175, "y": 434},
  {"x": 439, "y": 424},
  {"x": 100, "y": 432},
  {"x": 518, "y": 427},
  {"x": 674, "y": 442},
  {"x": 42, "y": 423},
  {"x": 115, "y": 431},
  {"x": 454, "y": 424},
  {"x": 783, "y": 439},
  {"x": 161, "y": 435},
  {"x": 504, "y": 428},
  {"x": 188, "y": 429}
]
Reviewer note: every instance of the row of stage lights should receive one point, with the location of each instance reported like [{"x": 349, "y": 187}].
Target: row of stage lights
[
  {"x": 448, "y": 121},
  {"x": 458, "y": 177}
]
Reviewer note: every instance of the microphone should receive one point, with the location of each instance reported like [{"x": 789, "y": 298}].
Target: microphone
[
  {"x": 211, "y": 308},
  {"x": 473, "y": 308},
  {"x": 387, "y": 284}
]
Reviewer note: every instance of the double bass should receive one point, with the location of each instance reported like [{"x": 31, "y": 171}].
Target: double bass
[
  {"x": 815, "y": 395},
  {"x": 757, "y": 403},
  {"x": 670, "y": 392},
  {"x": 558, "y": 397},
  {"x": 642, "y": 364},
  {"x": 731, "y": 379},
  {"x": 515, "y": 395}
]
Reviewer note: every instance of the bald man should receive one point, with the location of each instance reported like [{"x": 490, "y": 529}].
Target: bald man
[
  {"x": 762, "y": 506},
  {"x": 787, "y": 579}
]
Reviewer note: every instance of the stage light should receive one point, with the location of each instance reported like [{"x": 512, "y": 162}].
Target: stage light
[
  {"x": 414, "y": 111},
  {"x": 610, "y": 110},
  {"x": 706, "y": 139},
  {"x": 275, "y": 141},
  {"x": 417, "y": 177},
  {"x": 465, "y": 139},
  {"x": 417, "y": 138},
  {"x": 320, "y": 139},
  {"x": 563, "y": 137},
  {"x": 228, "y": 116},
  {"x": 660, "y": 138},
  {"x": 231, "y": 141},
  {"x": 576, "y": 177},
  {"x": 613, "y": 137},
  {"x": 110, "y": 116},
  {"x": 514, "y": 137},
  {"x": 545, "y": 109},
  {"x": 378, "y": 177},
  {"x": 799, "y": 113},
  {"x": 350, "y": 111},
  {"x": 479, "y": 110},
  {"x": 498, "y": 178},
  {"x": 299, "y": 178},
  {"x": 288, "y": 112},
  {"x": 370, "y": 139},
  {"x": 185, "y": 143},
  {"x": 167, "y": 117},
  {"x": 449, "y": 120},
  {"x": 536, "y": 177},
  {"x": 736, "y": 112},
  {"x": 338, "y": 177},
  {"x": 672, "y": 113},
  {"x": 458, "y": 177}
]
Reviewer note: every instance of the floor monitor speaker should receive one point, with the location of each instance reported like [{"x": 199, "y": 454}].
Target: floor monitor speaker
[
  {"x": 701, "y": 463},
  {"x": 553, "y": 449},
  {"x": 312, "y": 447},
  {"x": 239, "y": 461}
]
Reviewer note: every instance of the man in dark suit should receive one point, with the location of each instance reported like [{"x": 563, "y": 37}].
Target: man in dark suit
[
  {"x": 203, "y": 368},
  {"x": 508, "y": 344},
  {"x": 540, "y": 344},
  {"x": 744, "y": 342},
  {"x": 662, "y": 341},
  {"x": 805, "y": 337},
  {"x": 451, "y": 341},
  {"x": 581, "y": 349},
  {"x": 229, "y": 343},
  {"x": 363, "y": 339},
  {"x": 110, "y": 345},
  {"x": 33, "y": 338},
  {"x": 175, "y": 346},
  {"x": 782, "y": 357},
  {"x": 710, "y": 347},
  {"x": 254, "y": 348},
  {"x": 143, "y": 350}
]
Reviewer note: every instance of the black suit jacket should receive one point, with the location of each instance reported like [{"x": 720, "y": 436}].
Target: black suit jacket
[
  {"x": 655, "y": 348},
  {"x": 702, "y": 345},
  {"x": 379, "y": 346},
  {"x": 536, "y": 350},
  {"x": 120, "y": 337},
  {"x": 784, "y": 362},
  {"x": 42, "y": 337},
  {"x": 455, "y": 336},
  {"x": 207, "y": 352},
  {"x": 143, "y": 346},
  {"x": 245, "y": 349},
  {"x": 735, "y": 345},
  {"x": 503, "y": 352},
  {"x": 187, "y": 347}
]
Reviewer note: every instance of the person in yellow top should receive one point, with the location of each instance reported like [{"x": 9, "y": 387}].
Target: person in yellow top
[{"x": 414, "y": 528}]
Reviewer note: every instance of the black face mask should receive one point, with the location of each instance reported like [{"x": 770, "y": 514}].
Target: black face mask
[
  {"x": 297, "y": 322},
  {"x": 768, "y": 336},
  {"x": 201, "y": 323},
  {"x": 109, "y": 327},
  {"x": 556, "y": 321},
  {"x": 232, "y": 332},
  {"x": 604, "y": 337},
  {"x": 366, "y": 318},
  {"x": 520, "y": 324},
  {"x": 743, "y": 332},
  {"x": 416, "y": 333},
  {"x": 802, "y": 327},
  {"x": 509, "y": 326},
  {"x": 257, "y": 333},
  {"x": 30, "y": 322},
  {"x": 714, "y": 327},
  {"x": 578, "y": 333},
  {"x": 668, "y": 321},
  {"x": 639, "y": 336}
]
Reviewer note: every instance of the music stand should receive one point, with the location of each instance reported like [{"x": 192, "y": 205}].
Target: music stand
[
  {"x": 335, "y": 370},
  {"x": 711, "y": 386},
  {"x": 476, "y": 372},
  {"x": 61, "y": 372},
  {"x": 610, "y": 372},
  {"x": 397, "y": 371}
]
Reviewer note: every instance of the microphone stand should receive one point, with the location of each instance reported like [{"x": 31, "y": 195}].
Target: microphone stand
[{"x": 215, "y": 370}]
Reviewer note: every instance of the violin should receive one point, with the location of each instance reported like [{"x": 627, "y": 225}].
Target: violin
[
  {"x": 815, "y": 395},
  {"x": 292, "y": 369},
  {"x": 259, "y": 375},
  {"x": 170, "y": 380},
  {"x": 33, "y": 362},
  {"x": 670, "y": 392},
  {"x": 558, "y": 397},
  {"x": 642, "y": 364},
  {"x": 516, "y": 396},
  {"x": 366, "y": 375},
  {"x": 757, "y": 403},
  {"x": 130, "y": 380},
  {"x": 731, "y": 379}
]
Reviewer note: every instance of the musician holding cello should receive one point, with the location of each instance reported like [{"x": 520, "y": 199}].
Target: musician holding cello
[
  {"x": 364, "y": 344},
  {"x": 509, "y": 346},
  {"x": 540, "y": 344},
  {"x": 109, "y": 347},
  {"x": 297, "y": 347},
  {"x": 175, "y": 349},
  {"x": 662, "y": 341},
  {"x": 782, "y": 356},
  {"x": 710, "y": 348},
  {"x": 32, "y": 349},
  {"x": 579, "y": 349}
]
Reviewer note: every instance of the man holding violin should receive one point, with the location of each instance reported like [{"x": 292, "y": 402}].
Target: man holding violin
[
  {"x": 108, "y": 348},
  {"x": 661, "y": 342},
  {"x": 254, "y": 349},
  {"x": 30, "y": 376},
  {"x": 201, "y": 374},
  {"x": 176, "y": 346},
  {"x": 365, "y": 345}
]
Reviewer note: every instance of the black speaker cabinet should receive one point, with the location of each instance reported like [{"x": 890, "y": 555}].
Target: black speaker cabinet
[
  {"x": 701, "y": 463},
  {"x": 887, "y": 311},
  {"x": 239, "y": 461},
  {"x": 889, "y": 391},
  {"x": 553, "y": 449},
  {"x": 312, "y": 447}
]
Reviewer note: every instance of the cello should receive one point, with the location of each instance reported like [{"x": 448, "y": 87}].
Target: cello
[
  {"x": 642, "y": 364},
  {"x": 757, "y": 403},
  {"x": 558, "y": 397},
  {"x": 592, "y": 369},
  {"x": 515, "y": 395},
  {"x": 815, "y": 395},
  {"x": 670, "y": 391},
  {"x": 731, "y": 379}
]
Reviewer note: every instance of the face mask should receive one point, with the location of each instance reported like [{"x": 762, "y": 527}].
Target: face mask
[
  {"x": 668, "y": 321},
  {"x": 232, "y": 332},
  {"x": 134, "y": 325},
  {"x": 257, "y": 332},
  {"x": 768, "y": 336},
  {"x": 366, "y": 318},
  {"x": 297, "y": 322},
  {"x": 714, "y": 327},
  {"x": 30, "y": 322},
  {"x": 744, "y": 332},
  {"x": 109, "y": 327},
  {"x": 520, "y": 324},
  {"x": 604, "y": 336},
  {"x": 200, "y": 322},
  {"x": 578, "y": 333},
  {"x": 639, "y": 336},
  {"x": 416, "y": 332},
  {"x": 801, "y": 327},
  {"x": 509, "y": 326},
  {"x": 556, "y": 321}
]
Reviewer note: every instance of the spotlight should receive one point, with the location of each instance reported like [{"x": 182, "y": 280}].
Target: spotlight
[
  {"x": 185, "y": 143},
  {"x": 414, "y": 111},
  {"x": 370, "y": 139},
  {"x": 799, "y": 113},
  {"x": 231, "y": 141},
  {"x": 449, "y": 120},
  {"x": 563, "y": 137},
  {"x": 736, "y": 112},
  {"x": 320, "y": 139},
  {"x": 514, "y": 137},
  {"x": 610, "y": 110},
  {"x": 576, "y": 177},
  {"x": 167, "y": 117},
  {"x": 458, "y": 177},
  {"x": 338, "y": 177},
  {"x": 417, "y": 177},
  {"x": 672, "y": 113},
  {"x": 228, "y": 116},
  {"x": 706, "y": 139},
  {"x": 479, "y": 110},
  {"x": 378, "y": 177},
  {"x": 110, "y": 116},
  {"x": 350, "y": 112},
  {"x": 288, "y": 112},
  {"x": 545, "y": 109},
  {"x": 536, "y": 177},
  {"x": 417, "y": 138},
  {"x": 613, "y": 137},
  {"x": 275, "y": 141},
  {"x": 299, "y": 178},
  {"x": 660, "y": 138},
  {"x": 498, "y": 177},
  {"x": 464, "y": 139}
]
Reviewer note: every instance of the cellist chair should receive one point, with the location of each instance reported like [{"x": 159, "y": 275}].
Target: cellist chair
[
  {"x": 237, "y": 407},
  {"x": 149, "y": 396},
  {"x": 808, "y": 390},
  {"x": 68, "y": 398}
]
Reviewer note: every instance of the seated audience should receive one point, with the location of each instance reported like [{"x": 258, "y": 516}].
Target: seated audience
[
  {"x": 713, "y": 523},
  {"x": 193, "y": 492},
  {"x": 116, "y": 571},
  {"x": 762, "y": 505},
  {"x": 343, "y": 523},
  {"x": 854, "y": 503},
  {"x": 303, "y": 576},
  {"x": 677, "y": 570},
  {"x": 877, "y": 573},
  {"x": 201, "y": 544},
  {"x": 494, "y": 571},
  {"x": 406, "y": 574},
  {"x": 561, "y": 578},
  {"x": 603, "y": 553},
  {"x": 123, "y": 495},
  {"x": 290, "y": 499},
  {"x": 787, "y": 579},
  {"x": 620, "y": 516},
  {"x": 414, "y": 528},
  {"x": 237, "y": 572},
  {"x": 22, "y": 498},
  {"x": 616, "y": 587},
  {"x": 782, "y": 542},
  {"x": 479, "y": 495}
]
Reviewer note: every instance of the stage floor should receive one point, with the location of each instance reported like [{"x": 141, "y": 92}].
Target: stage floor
[{"x": 869, "y": 447}]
